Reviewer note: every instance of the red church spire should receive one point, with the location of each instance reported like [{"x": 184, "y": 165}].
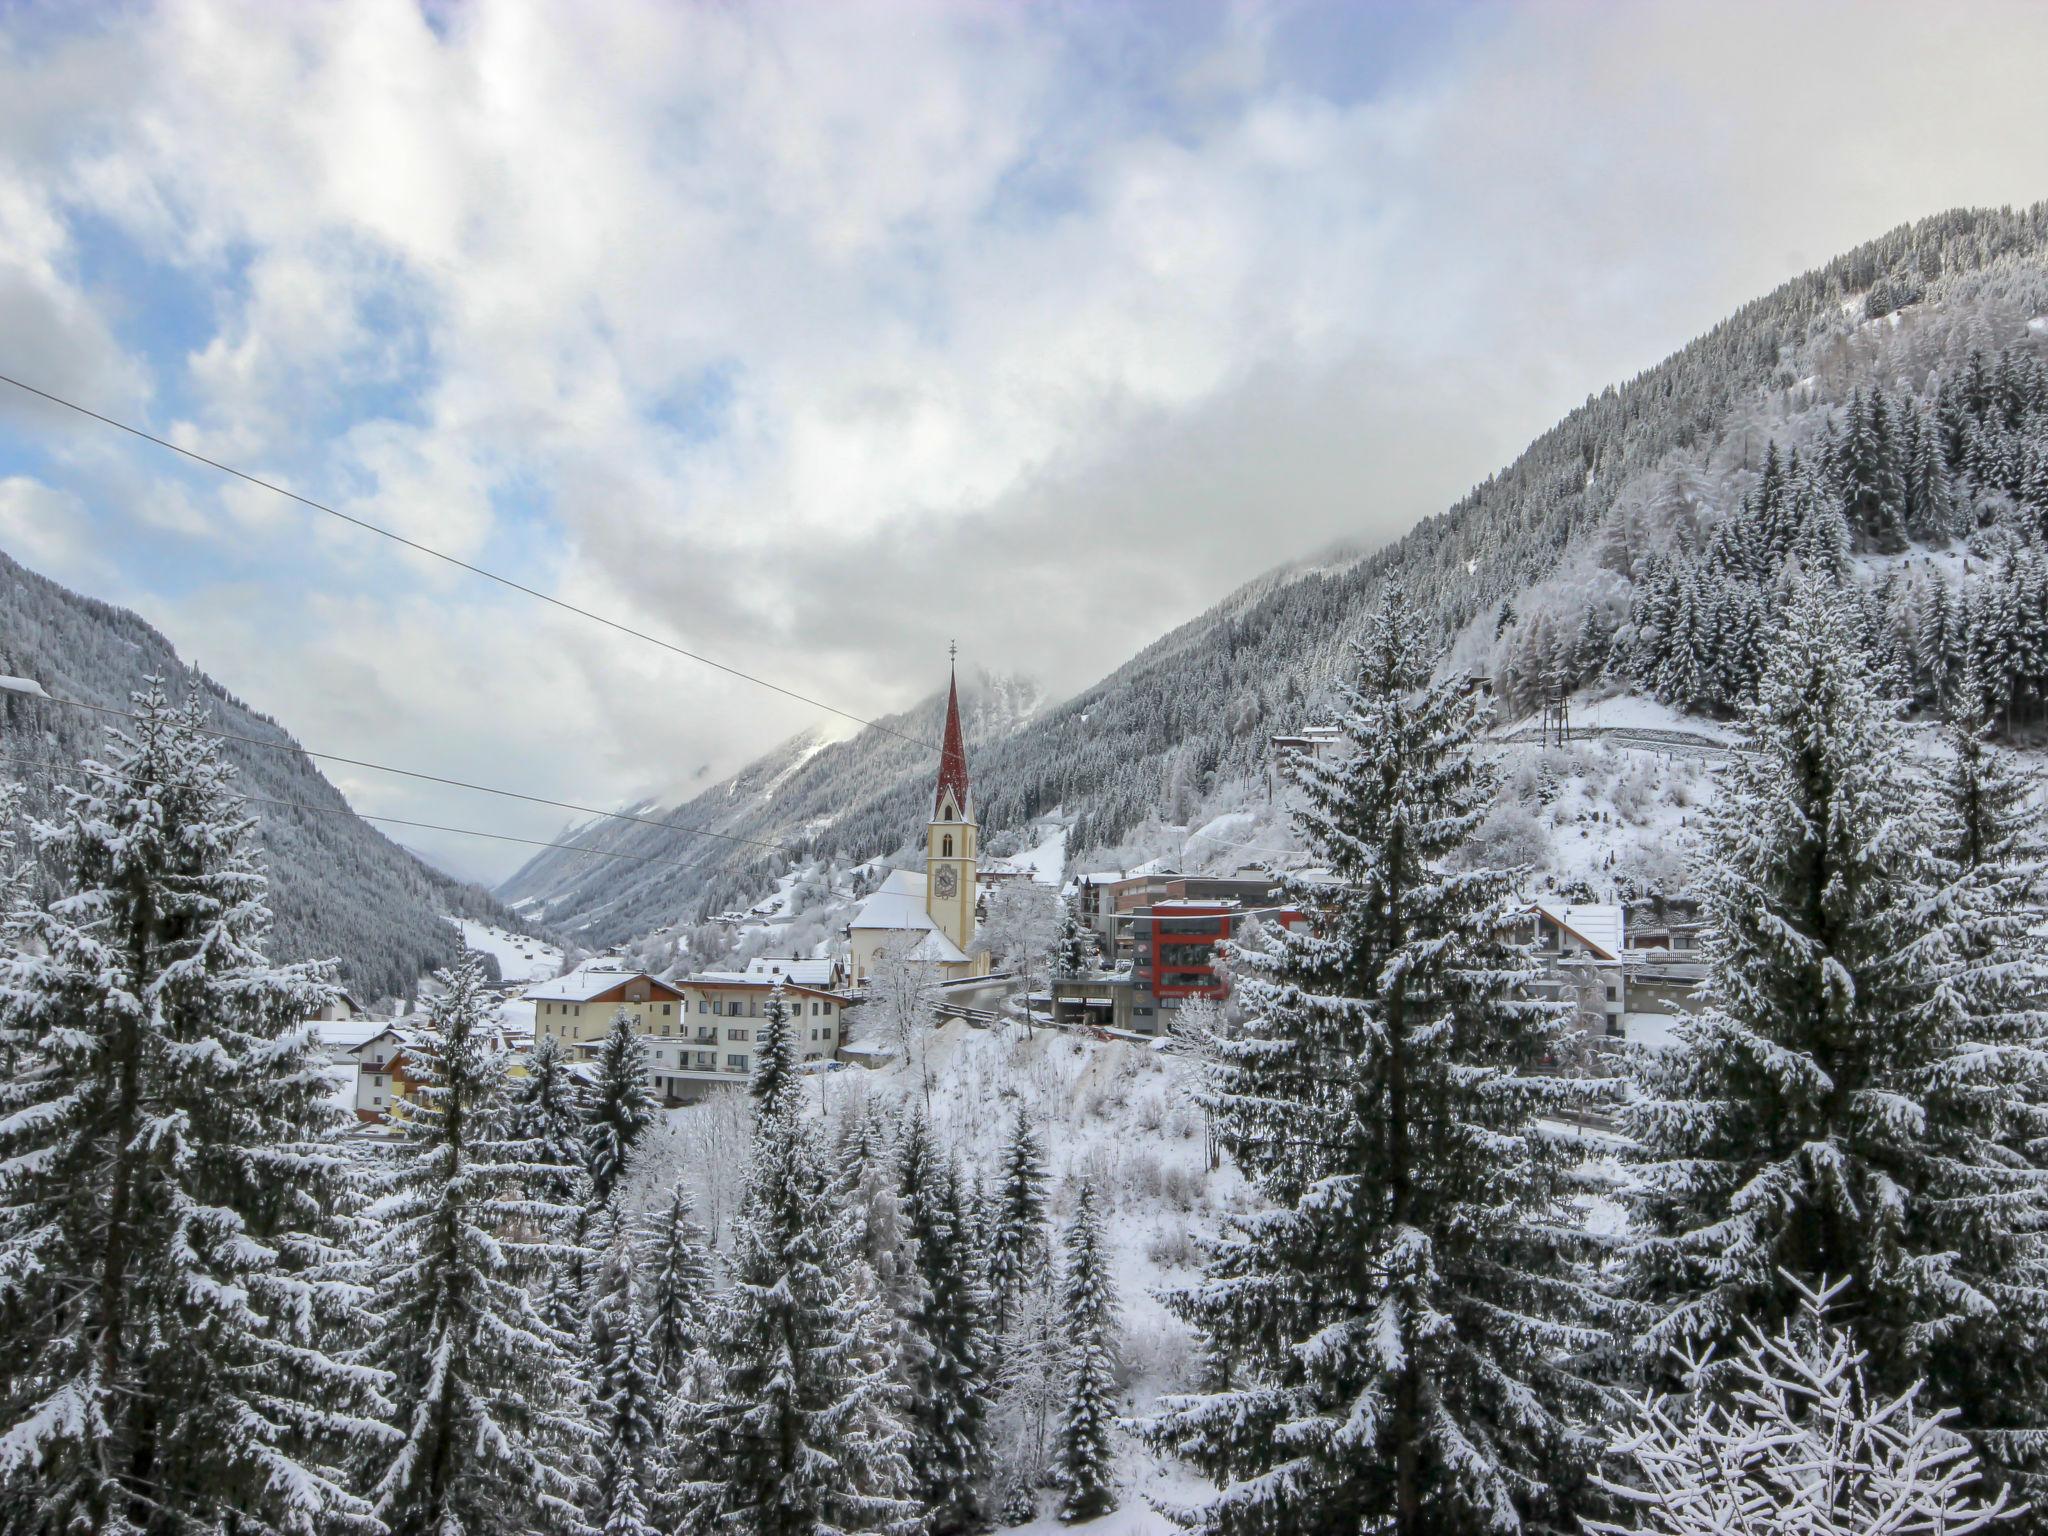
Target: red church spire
[{"x": 952, "y": 757}]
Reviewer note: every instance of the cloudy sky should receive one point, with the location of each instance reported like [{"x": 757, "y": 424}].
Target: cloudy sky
[{"x": 813, "y": 335}]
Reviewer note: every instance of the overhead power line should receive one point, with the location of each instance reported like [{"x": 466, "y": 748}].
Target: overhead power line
[
  {"x": 429, "y": 778},
  {"x": 52, "y": 772},
  {"x": 475, "y": 570}
]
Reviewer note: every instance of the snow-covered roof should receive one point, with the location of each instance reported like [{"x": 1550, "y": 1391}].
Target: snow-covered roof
[
  {"x": 1598, "y": 924},
  {"x": 582, "y": 986},
  {"x": 753, "y": 983},
  {"x": 898, "y": 902},
  {"x": 804, "y": 972},
  {"x": 936, "y": 946},
  {"x": 347, "y": 1034}
]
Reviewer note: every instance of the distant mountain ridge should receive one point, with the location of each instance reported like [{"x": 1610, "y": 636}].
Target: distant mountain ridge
[
  {"x": 1192, "y": 712},
  {"x": 339, "y": 888}
]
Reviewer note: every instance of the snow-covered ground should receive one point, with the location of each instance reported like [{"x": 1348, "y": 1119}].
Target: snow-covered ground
[
  {"x": 519, "y": 957},
  {"x": 1048, "y": 861}
]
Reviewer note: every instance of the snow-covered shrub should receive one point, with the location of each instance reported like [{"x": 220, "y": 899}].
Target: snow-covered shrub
[{"x": 1510, "y": 837}]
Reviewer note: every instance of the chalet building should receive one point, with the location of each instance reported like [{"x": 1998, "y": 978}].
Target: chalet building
[
  {"x": 934, "y": 914},
  {"x": 701, "y": 1031},
  {"x": 341, "y": 1010},
  {"x": 381, "y": 1078},
  {"x": 1581, "y": 949},
  {"x": 581, "y": 1005},
  {"x": 384, "y": 1080}
]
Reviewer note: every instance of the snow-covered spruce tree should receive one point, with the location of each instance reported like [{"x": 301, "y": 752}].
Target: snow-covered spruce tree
[
  {"x": 946, "y": 1342},
  {"x": 1077, "y": 952},
  {"x": 626, "y": 1400},
  {"x": 1084, "y": 1447},
  {"x": 1845, "y": 1102},
  {"x": 675, "y": 1268},
  {"x": 805, "y": 1436},
  {"x": 1399, "y": 1335},
  {"x": 489, "y": 1403},
  {"x": 547, "y": 1113},
  {"x": 1017, "y": 1246},
  {"x": 620, "y": 1109},
  {"x": 1799, "y": 1445},
  {"x": 169, "y": 1327}
]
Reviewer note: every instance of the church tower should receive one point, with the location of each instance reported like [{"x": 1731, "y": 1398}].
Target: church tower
[{"x": 950, "y": 857}]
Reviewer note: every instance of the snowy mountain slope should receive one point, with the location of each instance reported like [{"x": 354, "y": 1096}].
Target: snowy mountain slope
[
  {"x": 843, "y": 801},
  {"x": 339, "y": 888},
  {"x": 1180, "y": 731}
]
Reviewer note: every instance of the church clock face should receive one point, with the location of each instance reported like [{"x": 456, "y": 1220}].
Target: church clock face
[{"x": 945, "y": 882}]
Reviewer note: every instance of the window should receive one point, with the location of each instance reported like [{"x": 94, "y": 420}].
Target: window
[
  {"x": 735, "y": 1063},
  {"x": 379, "y": 1099},
  {"x": 946, "y": 846},
  {"x": 702, "y": 1006},
  {"x": 738, "y": 1034},
  {"x": 828, "y": 1010},
  {"x": 665, "y": 1010},
  {"x": 1610, "y": 994},
  {"x": 664, "y": 1029},
  {"x": 377, "y": 1081}
]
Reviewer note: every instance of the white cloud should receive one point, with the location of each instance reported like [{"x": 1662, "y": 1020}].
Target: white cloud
[
  {"x": 812, "y": 336},
  {"x": 50, "y": 530}
]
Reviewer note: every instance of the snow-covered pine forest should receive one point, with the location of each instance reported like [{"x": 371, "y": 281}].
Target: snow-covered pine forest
[{"x": 1799, "y": 1288}]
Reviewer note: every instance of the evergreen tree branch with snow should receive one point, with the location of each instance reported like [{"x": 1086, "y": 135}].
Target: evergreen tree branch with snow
[
  {"x": 1400, "y": 1330},
  {"x": 1795, "y": 1443},
  {"x": 173, "y": 1328}
]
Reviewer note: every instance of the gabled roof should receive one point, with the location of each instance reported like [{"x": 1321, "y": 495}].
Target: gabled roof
[
  {"x": 593, "y": 986},
  {"x": 1597, "y": 925},
  {"x": 807, "y": 971},
  {"x": 733, "y": 981},
  {"x": 898, "y": 902},
  {"x": 347, "y": 1034},
  {"x": 937, "y": 947}
]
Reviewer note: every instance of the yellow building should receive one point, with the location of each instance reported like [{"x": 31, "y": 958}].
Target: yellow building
[
  {"x": 932, "y": 913},
  {"x": 700, "y": 1032},
  {"x": 581, "y": 1005}
]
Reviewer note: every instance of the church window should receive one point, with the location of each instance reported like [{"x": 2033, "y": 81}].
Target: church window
[{"x": 946, "y": 846}]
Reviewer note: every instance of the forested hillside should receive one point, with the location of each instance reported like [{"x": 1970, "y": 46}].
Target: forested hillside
[
  {"x": 1535, "y": 572},
  {"x": 339, "y": 888}
]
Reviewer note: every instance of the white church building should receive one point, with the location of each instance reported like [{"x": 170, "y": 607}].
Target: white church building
[{"x": 933, "y": 914}]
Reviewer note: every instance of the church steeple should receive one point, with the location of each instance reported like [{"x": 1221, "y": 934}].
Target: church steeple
[
  {"x": 953, "y": 762},
  {"x": 950, "y": 859}
]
